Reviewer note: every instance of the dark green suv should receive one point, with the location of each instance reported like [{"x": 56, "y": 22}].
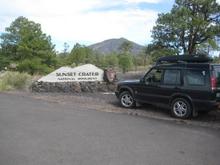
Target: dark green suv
[{"x": 184, "y": 84}]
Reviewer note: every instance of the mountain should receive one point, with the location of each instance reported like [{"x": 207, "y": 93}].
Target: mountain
[{"x": 112, "y": 45}]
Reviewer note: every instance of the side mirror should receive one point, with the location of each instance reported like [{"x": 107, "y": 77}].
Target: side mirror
[
  {"x": 142, "y": 80},
  {"x": 149, "y": 79}
]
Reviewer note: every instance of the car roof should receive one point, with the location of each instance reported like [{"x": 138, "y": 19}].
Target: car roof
[
  {"x": 184, "y": 65},
  {"x": 184, "y": 58}
]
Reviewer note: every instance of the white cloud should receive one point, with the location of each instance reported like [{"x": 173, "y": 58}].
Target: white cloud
[
  {"x": 69, "y": 20},
  {"x": 144, "y": 1},
  {"x": 95, "y": 27}
]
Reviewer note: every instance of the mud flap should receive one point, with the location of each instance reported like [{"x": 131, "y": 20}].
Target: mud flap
[
  {"x": 195, "y": 113},
  {"x": 137, "y": 104}
]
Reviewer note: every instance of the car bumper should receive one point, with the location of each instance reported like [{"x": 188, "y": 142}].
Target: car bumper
[{"x": 206, "y": 105}]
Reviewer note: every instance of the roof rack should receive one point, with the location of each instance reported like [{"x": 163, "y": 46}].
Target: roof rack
[{"x": 183, "y": 59}]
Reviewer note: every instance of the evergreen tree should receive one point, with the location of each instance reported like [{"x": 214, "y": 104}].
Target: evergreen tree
[
  {"x": 24, "y": 42},
  {"x": 189, "y": 24}
]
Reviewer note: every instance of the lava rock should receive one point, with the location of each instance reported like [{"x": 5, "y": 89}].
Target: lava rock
[{"x": 73, "y": 87}]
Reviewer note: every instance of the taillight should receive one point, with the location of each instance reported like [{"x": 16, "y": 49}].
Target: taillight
[{"x": 213, "y": 83}]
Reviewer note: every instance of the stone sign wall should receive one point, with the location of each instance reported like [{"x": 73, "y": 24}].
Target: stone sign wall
[
  {"x": 85, "y": 78},
  {"x": 73, "y": 87},
  {"x": 84, "y": 73}
]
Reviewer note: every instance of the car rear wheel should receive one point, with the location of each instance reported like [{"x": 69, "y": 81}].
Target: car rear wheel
[
  {"x": 126, "y": 99},
  {"x": 181, "y": 108}
]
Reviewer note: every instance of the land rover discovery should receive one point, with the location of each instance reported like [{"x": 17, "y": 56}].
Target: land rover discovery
[{"x": 184, "y": 84}]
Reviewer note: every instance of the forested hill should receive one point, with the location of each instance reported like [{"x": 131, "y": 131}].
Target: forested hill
[{"x": 112, "y": 45}]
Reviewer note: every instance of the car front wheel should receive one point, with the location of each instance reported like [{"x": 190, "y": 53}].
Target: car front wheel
[
  {"x": 181, "y": 108},
  {"x": 126, "y": 99}
]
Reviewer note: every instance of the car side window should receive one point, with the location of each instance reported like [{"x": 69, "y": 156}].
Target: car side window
[
  {"x": 172, "y": 77},
  {"x": 195, "y": 77},
  {"x": 154, "y": 76}
]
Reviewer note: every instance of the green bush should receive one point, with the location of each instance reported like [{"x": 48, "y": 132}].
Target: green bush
[
  {"x": 14, "y": 80},
  {"x": 34, "y": 66}
]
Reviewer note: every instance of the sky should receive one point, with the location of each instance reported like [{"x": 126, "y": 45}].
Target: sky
[{"x": 87, "y": 21}]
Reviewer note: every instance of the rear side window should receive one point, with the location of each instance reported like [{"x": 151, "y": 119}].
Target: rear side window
[
  {"x": 172, "y": 77},
  {"x": 195, "y": 77},
  {"x": 217, "y": 75}
]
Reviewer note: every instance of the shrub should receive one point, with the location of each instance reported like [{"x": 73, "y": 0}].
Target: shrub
[
  {"x": 14, "y": 80},
  {"x": 34, "y": 66}
]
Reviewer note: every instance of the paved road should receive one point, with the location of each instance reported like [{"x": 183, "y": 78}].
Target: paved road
[{"x": 37, "y": 132}]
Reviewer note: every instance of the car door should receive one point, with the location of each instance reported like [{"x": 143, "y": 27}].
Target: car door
[
  {"x": 148, "y": 90},
  {"x": 172, "y": 84},
  {"x": 197, "y": 85}
]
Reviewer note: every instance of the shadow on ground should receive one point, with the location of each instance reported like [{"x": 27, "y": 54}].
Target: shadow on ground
[{"x": 212, "y": 116}]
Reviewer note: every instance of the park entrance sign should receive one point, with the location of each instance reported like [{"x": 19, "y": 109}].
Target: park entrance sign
[
  {"x": 85, "y": 78},
  {"x": 84, "y": 73}
]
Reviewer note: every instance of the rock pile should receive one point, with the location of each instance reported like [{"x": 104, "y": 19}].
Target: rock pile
[{"x": 72, "y": 87}]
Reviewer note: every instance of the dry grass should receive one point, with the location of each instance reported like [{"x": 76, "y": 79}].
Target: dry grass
[{"x": 14, "y": 80}]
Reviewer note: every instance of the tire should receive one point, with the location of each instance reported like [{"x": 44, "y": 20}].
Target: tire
[
  {"x": 181, "y": 108},
  {"x": 126, "y": 99}
]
